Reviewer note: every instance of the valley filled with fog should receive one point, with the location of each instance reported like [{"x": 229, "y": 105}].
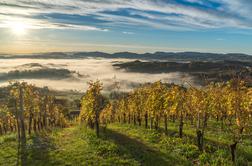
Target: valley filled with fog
[{"x": 74, "y": 74}]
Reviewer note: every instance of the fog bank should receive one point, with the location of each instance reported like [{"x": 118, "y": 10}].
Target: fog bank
[{"x": 92, "y": 69}]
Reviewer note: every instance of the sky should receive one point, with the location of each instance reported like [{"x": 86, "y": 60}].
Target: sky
[{"x": 222, "y": 26}]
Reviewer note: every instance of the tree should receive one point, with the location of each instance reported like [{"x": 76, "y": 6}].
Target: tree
[
  {"x": 92, "y": 104},
  {"x": 155, "y": 103},
  {"x": 17, "y": 91},
  {"x": 239, "y": 112},
  {"x": 199, "y": 102}
]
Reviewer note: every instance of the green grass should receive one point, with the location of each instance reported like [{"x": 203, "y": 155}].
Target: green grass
[
  {"x": 216, "y": 139},
  {"x": 117, "y": 145}
]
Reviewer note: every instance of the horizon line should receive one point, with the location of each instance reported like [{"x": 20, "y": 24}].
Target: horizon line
[{"x": 116, "y": 52}]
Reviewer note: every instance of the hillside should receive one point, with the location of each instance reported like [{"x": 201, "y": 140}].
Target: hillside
[
  {"x": 168, "y": 56},
  {"x": 39, "y": 71},
  {"x": 212, "y": 71},
  {"x": 155, "y": 124}
]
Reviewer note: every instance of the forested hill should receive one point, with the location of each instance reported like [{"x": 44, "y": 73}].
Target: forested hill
[
  {"x": 213, "y": 71},
  {"x": 171, "y": 56}
]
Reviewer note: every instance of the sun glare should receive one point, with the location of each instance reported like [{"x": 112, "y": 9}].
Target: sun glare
[{"x": 18, "y": 28}]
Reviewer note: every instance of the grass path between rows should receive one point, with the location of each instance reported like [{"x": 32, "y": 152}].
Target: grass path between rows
[
  {"x": 79, "y": 146},
  {"x": 117, "y": 145}
]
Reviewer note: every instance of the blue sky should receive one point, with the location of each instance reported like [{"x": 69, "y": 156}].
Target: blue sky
[{"x": 118, "y": 25}]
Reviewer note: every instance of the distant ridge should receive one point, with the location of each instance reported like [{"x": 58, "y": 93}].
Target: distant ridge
[{"x": 169, "y": 56}]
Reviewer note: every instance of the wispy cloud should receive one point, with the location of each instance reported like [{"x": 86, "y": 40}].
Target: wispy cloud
[
  {"x": 7, "y": 22},
  {"x": 128, "y": 33},
  {"x": 159, "y": 14}
]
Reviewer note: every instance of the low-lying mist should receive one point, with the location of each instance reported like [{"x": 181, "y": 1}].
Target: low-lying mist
[{"x": 85, "y": 70}]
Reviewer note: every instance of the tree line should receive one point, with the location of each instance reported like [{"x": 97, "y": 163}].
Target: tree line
[{"x": 155, "y": 105}]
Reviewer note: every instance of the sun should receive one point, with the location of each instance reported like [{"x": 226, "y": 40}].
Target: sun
[{"x": 18, "y": 28}]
